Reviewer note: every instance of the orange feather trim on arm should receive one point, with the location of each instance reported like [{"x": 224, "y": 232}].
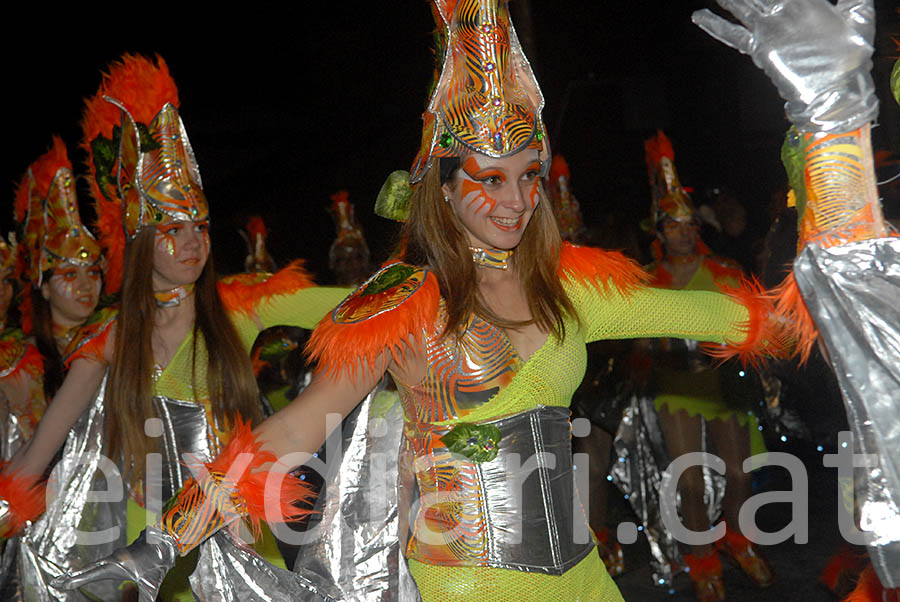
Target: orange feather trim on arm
[
  {"x": 242, "y": 293},
  {"x": 25, "y": 497},
  {"x": 766, "y": 334},
  {"x": 217, "y": 498},
  {"x": 790, "y": 307},
  {"x": 395, "y": 305},
  {"x": 600, "y": 268}
]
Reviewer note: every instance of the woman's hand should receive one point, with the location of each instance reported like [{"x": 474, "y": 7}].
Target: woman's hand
[{"x": 146, "y": 562}]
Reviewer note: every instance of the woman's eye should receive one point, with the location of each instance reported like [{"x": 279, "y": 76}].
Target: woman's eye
[
  {"x": 492, "y": 180},
  {"x": 202, "y": 227},
  {"x": 68, "y": 275},
  {"x": 96, "y": 272}
]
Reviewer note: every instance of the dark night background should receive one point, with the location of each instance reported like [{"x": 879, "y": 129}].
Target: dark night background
[{"x": 285, "y": 106}]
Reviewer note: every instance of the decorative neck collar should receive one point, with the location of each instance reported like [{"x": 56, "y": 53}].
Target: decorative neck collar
[
  {"x": 173, "y": 297},
  {"x": 491, "y": 258},
  {"x": 63, "y": 334}
]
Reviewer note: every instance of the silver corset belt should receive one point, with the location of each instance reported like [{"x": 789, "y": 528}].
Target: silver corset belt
[{"x": 496, "y": 494}]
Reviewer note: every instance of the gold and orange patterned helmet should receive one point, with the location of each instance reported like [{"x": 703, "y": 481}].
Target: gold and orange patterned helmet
[
  {"x": 47, "y": 212},
  {"x": 143, "y": 168},
  {"x": 486, "y": 98},
  {"x": 669, "y": 198}
]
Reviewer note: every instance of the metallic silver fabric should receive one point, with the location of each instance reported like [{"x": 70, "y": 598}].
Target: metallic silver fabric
[
  {"x": 638, "y": 472},
  {"x": 517, "y": 511},
  {"x": 818, "y": 55},
  {"x": 185, "y": 431},
  {"x": 353, "y": 544},
  {"x": 853, "y": 293},
  {"x": 52, "y": 545},
  {"x": 227, "y": 571},
  {"x": 11, "y": 437}
]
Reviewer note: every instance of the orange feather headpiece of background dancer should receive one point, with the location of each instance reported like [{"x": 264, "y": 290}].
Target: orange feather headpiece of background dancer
[
  {"x": 143, "y": 170},
  {"x": 486, "y": 98}
]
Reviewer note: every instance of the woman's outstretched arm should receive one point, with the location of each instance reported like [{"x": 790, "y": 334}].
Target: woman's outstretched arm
[{"x": 74, "y": 396}]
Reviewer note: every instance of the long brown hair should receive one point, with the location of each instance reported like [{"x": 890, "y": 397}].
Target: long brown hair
[
  {"x": 42, "y": 324},
  {"x": 434, "y": 236},
  {"x": 230, "y": 383}
]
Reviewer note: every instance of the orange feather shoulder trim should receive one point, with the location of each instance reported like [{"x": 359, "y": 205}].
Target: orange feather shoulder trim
[
  {"x": 600, "y": 269},
  {"x": 242, "y": 293},
  {"x": 396, "y": 305}
]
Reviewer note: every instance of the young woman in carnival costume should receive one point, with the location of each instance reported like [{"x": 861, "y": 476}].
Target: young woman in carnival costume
[
  {"x": 483, "y": 326},
  {"x": 60, "y": 264},
  {"x": 691, "y": 388},
  {"x": 165, "y": 392}
]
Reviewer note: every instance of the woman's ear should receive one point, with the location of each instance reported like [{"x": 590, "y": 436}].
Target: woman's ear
[
  {"x": 446, "y": 191},
  {"x": 45, "y": 290}
]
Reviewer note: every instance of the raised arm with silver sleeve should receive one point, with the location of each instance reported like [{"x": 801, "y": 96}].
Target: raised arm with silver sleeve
[
  {"x": 816, "y": 54},
  {"x": 846, "y": 278}
]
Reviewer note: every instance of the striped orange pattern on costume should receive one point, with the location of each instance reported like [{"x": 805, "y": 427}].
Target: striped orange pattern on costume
[
  {"x": 197, "y": 511},
  {"x": 463, "y": 372},
  {"x": 842, "y": 202}
]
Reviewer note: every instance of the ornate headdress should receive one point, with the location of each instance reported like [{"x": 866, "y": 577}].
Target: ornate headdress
[
  {"x": 258, "y": 258},
  {"x": 142, "y": 165},
  {"x": 565, "y": 205},
  {"x": 350, "y": 241},
  {"x": 47, "y": 213},
  {"x": 670, "y": 200},
  {"x": 486, "y": 99}
]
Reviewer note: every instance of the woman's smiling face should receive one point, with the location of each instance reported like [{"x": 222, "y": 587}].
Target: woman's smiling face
[{"x": 495, "y": 198}]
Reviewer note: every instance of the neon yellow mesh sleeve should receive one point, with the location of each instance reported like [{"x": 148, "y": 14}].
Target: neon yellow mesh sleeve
[
  {"x": 653, "y": 313},
  {"x": 303, "y": 308}
]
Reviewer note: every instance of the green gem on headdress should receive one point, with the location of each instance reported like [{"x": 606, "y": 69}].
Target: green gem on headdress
[{"x": 445, "y": 140}]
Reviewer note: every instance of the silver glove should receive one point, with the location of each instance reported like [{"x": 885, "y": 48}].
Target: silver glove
[
  {"x": 816, "y": 54},
  {"x": 146, "y": 562}
]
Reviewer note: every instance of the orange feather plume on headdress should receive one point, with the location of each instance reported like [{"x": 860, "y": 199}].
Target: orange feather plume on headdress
[
  {"x": 558, "y": 168},
  {"x": 143, "y": 86},
  {"x": 658, "y": 147}
]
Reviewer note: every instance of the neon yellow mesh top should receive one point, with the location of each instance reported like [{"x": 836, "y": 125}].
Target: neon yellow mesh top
[
  {"x": 303, "y": 308},
  {"x": 403, "y": 300},
  {"x": 554, "y": 371},
  {"x": 550, "y": 377}
]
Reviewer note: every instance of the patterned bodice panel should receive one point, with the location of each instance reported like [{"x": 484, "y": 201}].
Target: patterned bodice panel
[{"x": 462, "y": 372}]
